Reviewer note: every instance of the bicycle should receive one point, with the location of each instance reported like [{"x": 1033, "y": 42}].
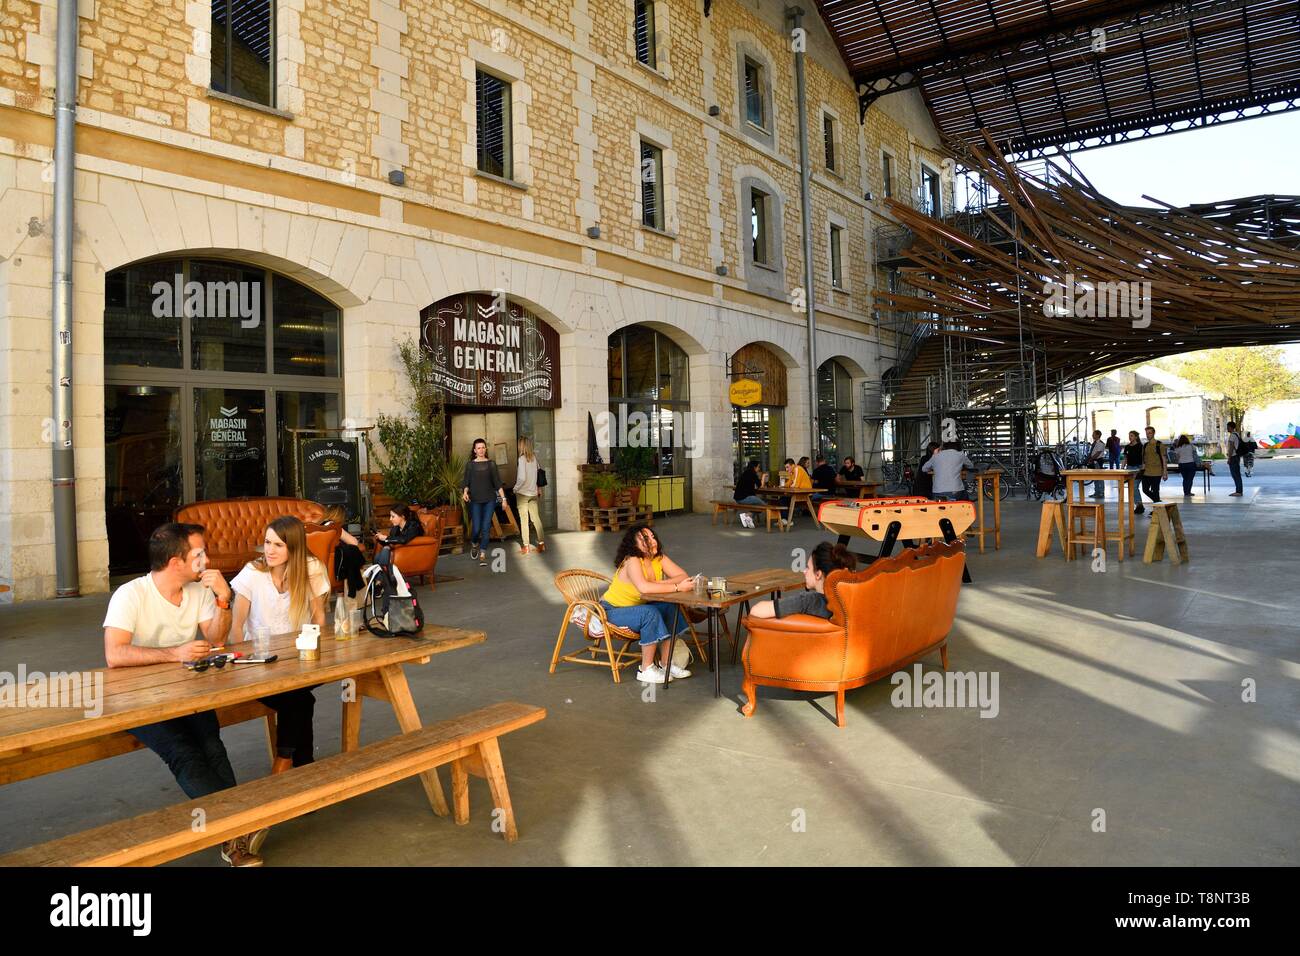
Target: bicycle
[{"x": 898, "y": 478}]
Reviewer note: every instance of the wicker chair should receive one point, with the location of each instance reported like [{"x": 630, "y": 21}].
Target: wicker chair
[{"x": 582, "y": 591}]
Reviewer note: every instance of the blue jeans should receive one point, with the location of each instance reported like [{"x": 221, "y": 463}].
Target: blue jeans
[
  {"x": 1188, "y": 471},
  {"x": 480, "y": 514},
  {"x": 1114, "y": 460},
  {"x": 751, "y": 500},
  {"x": 652, "y": 621},
  {"x": 1234, "y": 466},
  {"x": 191, "y": 748}
]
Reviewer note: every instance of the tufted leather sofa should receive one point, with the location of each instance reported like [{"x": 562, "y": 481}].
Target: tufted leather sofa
[
  {"x": 894, "y": 612},
  {"x": 234, "y": 526}
]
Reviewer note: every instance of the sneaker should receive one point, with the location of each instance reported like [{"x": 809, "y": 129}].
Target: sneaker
[
  {"x": 1234, "y": 494},
  {"x": 1097, "y": 496},
  {"x": 482, "y": 562},
  {"x": 655, "y": 675},
  {"x": 473, "y": 551},
  {"x": 235, "y": 852},
  {"x": 255, "y": 840},
  {"x": 1139, "y": 510},
  {"x": 678, "y": 673}
]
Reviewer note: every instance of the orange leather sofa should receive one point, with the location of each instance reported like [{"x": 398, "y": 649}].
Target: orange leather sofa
[
  {"x": 234, "y": 526},
  {"x": 419, "y": 556},
  {"x": 894, "y": 612}
]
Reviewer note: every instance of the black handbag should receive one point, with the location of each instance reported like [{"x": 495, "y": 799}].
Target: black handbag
[{"x": 541, "y": 477}]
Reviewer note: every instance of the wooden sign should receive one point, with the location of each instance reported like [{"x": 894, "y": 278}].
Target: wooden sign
[
  {"x": 745, "y": 392},
  {"x": 490, "y": 351}
]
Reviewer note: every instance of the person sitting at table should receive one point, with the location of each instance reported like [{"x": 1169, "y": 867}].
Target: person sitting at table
[
  {"x": 179, "y": 612},
  {"x": 850, "y": 470},
  {"x": 946, "y": 466},
  {"x": 405, "y": 527},
  {"x": 642, "y": 570},
  {"x": 823, "y": 476},
  {"x": 796, "y": 476},
  {"x": 747, "y": 486},
  {"x": 281, "y": 591},
  {"x": 825, "y": 558},
  {"x": 349, "y": 559}
]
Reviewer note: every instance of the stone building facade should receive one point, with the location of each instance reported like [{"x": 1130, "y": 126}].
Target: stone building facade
[{"x": 304, "y": 186}]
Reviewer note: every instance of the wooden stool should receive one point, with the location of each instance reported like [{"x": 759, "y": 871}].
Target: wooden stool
[
  {"x": 1166, "y": 530},
  {"x": 1052, "y": 516},
  {"x": 1079, "y": 532}
]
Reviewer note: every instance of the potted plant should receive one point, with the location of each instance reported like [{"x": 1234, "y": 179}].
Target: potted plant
[
  {"x": 447, "y": 479},
  {"x": 412, "y": 443},
  {"x": 606, "y": 485},
  {"x": 634, "y": 467}
]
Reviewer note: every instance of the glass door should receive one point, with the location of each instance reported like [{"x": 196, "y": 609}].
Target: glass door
[
  {"x": 143, "y": 469},
  {"x": 230, "y": 454}
]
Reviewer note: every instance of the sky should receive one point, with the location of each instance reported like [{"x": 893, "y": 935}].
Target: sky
[{"x": 1232, "y": 161}]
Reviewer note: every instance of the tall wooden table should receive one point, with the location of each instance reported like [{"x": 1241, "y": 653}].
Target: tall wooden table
[
  {"x": 1076, "y": 481},
  {"x": 39, "y": 740},
  {"x": 992, "y": 478},
  {"x": 741, "y": 590}
]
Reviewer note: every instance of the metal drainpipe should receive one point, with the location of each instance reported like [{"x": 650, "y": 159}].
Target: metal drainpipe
[
  {"x": 794, "y": 18},
  {"x": 64, "y": 470}
]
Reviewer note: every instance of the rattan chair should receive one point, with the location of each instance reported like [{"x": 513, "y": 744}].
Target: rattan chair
[{"x": 582, "y": 591}]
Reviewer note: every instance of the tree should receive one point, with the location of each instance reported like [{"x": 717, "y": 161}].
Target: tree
[
  {"x": 413, "y": 444},
  {"x": 1248, "y": 378}
]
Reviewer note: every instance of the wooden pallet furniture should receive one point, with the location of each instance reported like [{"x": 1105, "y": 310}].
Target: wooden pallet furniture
[
  {"x": 1051, "y": 518},
  {"x": 595, "y": 518},
  {"x": 1166, "y": 532},
  {"x": 469, "y": 743},
  {"x": 728, "y": 508}
]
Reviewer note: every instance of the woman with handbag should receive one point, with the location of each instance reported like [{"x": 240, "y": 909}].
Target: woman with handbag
[{"x": 529, "y": 481}]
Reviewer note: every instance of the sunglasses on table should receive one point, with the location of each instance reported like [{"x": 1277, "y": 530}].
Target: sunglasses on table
[{"x": 216, "y": 660}]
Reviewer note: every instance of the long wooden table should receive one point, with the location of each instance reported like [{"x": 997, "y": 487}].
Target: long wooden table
[
  {"x": 40, "y": 740},
  {"x": 748, "y": 586},
  {"x": 797, "y": 496},
  {"x": 1076, "y": 480}
]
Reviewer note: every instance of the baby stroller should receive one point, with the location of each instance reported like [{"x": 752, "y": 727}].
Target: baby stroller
[{"x": 1047, "y": 475}]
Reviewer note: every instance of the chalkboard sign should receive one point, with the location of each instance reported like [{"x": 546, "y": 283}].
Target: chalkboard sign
[{"x": 330, "y": 471}]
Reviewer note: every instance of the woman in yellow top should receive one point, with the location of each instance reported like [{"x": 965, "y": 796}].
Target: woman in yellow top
[{"x": 643, "y": 570}]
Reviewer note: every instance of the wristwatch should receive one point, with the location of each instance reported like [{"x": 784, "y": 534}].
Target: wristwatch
[{"x": 223, "y": 603}]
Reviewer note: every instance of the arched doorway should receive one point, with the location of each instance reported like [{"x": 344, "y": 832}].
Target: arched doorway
[
  {"x": 649, "y": 375},
  {"x": 758, "y": 429},
  {"x": 835, "y": 412},
  {"x": 497, "y": 367},
  {"x": 213, "y": 368}
]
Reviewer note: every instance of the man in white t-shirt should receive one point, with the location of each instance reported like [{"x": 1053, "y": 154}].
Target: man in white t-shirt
[
  {"x": 1097, "y": 459},
  {"x": 946, "y": 465},
  {"x": 179, "y": 611}
]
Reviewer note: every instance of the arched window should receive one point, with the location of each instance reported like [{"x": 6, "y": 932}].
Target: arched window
[
  {"x": 835, "y": 411},
  {"x": 649, "y": 400}
]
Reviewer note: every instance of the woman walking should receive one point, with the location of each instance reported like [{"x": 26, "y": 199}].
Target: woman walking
[
  {"x": 1185, "y": 453},
  {"x": 482, "y": 489},
  {"x": 1133, "y": 459},
  {"x": 527, "y": 492}
]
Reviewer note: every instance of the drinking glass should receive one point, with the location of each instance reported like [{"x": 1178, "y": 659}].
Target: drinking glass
[{"x": 262, "y": 642}]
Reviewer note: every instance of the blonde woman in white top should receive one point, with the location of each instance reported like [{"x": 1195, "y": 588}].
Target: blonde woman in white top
[
  {"x": 282, "y": 590},
  {"x": 526, "y": 495}
]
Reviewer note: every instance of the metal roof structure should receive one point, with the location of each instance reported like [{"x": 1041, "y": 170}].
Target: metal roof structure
[{"x": 1044, "y": 76}]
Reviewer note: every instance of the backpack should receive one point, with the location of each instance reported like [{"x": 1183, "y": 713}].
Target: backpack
[{"x": 390, "y": 608}]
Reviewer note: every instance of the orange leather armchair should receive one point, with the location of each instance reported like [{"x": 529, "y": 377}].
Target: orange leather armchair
[
  {"x": 419, "y": 556},
  {"x": 894, "y": 612},
  {"x": 234, "y": 526},
  {"x": 323, "y": 543}
]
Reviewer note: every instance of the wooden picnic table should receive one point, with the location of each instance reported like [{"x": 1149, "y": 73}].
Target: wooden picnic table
[
  {"x": 797, "y": 496},
  {"x": 868, "y": 488},
  {"x": 741, "y": 589},
  {"x": 40, "y": 740},
  {"x": 1125, "y": 479}
]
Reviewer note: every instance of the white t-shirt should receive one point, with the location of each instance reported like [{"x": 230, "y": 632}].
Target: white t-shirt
[
  {"x": 1098, "y": 451},
  {"x": 267, "y": 606},
  {"x": 153, "y": 621},
  {"x": 946, "y": 466}
]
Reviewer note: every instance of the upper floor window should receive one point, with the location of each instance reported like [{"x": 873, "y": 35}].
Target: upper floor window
[
  {"x": 828, "y": 138},
  {"x": 243, "y": 38},
  {"x": 759, "y": 212},
  {"x": 493, "y": 110},
  {"x": 645, "y": 33},
  {"x": 887, "y": 174},
  {"x": 652, "y": 185},
  {"x": 837, "y": 270},
  {"x": 931, "y": 192},
  {"x": 755, "y": 94}
]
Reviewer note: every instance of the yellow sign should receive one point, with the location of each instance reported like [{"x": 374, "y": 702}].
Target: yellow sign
[{"x": 746, "y": 392}]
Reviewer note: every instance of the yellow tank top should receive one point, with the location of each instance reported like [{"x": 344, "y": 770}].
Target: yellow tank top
[{"x": 624, "y": 593}]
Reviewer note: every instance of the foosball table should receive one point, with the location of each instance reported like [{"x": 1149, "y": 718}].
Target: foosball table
[{"x": 888, "y": 519}]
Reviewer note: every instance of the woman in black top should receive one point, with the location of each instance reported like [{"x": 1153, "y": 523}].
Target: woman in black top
[
  {"x": 406, "y": 527},
  {"x": 923, "y": 481},
  {"x": 1133, "y": 459},
  {"x": 825, "y": 558},
  {"x": 482, "y": 489},
  {"x": 746, "y": 492}
]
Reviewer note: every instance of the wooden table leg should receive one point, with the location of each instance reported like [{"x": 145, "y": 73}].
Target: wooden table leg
[
  {"x": 490, "y": 753},
  {"x": 997, "y": 512},
  {"x": 459, "y": 792},
  {"x": 352, "y": 722},
  {"x": 408, "y": 718}
]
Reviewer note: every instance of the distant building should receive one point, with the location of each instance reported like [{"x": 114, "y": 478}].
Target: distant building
[{"x": 1133, "y": 398}]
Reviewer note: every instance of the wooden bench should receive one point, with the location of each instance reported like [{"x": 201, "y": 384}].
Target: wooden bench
[
  {"x": 468, "y": 743},
  {"x": 725, "y": 508},
  {"x": 13, "y": 769}
]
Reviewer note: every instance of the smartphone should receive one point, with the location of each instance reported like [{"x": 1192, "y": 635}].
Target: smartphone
[{"x": 257, "y": 660}]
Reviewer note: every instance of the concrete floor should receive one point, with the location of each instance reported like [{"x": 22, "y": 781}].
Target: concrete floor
[{"x": 1118, "y": 692}]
